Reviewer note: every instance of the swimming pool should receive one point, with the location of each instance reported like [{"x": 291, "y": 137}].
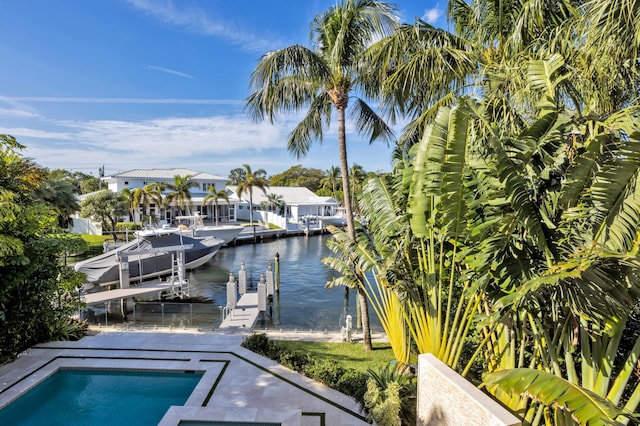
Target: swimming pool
[{"x": 96, "y": 397}]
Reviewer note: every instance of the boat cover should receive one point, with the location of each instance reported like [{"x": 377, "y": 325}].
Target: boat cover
[{"x": 146, "y": 253}]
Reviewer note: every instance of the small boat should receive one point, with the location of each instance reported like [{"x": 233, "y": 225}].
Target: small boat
[
  {"x": 194, "y": 226},
  {"x": 150, "y": 255}
]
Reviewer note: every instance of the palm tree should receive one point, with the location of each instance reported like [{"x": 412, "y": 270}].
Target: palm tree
[
  {"x": 489, "y": 39},
  {"x": 213, "y": 196},
  {"x": 535, "y": 229},
  {"x": 180, "y": 194},
  {"x": 274, "y": 201},
  {"x": 147, "y": 195},
  {"x": 130, "y": 197},
  {"x": 58, "y": 192},
  {"x": 253, "y": 179},
  {"x": 358, "y": 176},
  {"x": 331, "y": 180},
  {"x": 323, "y": 79}
]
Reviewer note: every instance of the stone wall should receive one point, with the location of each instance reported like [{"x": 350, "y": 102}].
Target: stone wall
[{"x": 447, "y": 399}]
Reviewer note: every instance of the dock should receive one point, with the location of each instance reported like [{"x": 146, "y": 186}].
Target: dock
[
  {"x": 244, "y": 315},
  {"x": 125, "y": 293}
]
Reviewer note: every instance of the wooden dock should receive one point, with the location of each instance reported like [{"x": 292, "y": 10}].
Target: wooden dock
[{"x": 245, "y": 313}]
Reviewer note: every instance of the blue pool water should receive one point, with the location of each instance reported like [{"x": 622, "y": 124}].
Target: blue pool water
[{"x": 90, "y": 397}]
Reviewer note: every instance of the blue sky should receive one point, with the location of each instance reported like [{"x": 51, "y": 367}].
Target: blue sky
[{"x": 158, "y": 83}]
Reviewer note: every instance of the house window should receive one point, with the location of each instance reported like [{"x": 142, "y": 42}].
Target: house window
[{"x": 240, "y": 207}]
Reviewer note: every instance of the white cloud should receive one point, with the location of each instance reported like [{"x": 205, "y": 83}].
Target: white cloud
[
  {"x": 169, "y": 71},
  {"x": 17, "y": 113},
  {"x": 215, "y": 143},
  {"x": 161, "y": 142},
  {"x": 197, "y": 20},
  {"x": 432, "y": 15}
]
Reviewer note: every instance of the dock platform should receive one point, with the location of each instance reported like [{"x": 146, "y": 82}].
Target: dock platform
[
  {"x": 118, "y": 294},
  {"x": 245, "y": 313}
]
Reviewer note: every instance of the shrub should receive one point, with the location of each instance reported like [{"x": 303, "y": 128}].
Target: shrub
[
  {"x": 260, "y": 344},
  {"x": 127, "y": 226},
  {"x": 390, "y": 397},
  {"x": 345, "y": 380},
  {"x": 294, "y": 360}
]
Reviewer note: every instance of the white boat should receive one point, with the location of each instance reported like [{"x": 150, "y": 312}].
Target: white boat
[
  {"x": 194, "y": 226},
  {"x": 150, "y": 255}
]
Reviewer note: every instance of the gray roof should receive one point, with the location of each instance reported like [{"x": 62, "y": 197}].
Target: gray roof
[
  {"x": 292, "y": 195},
  {"x": 165, "y": 174}
]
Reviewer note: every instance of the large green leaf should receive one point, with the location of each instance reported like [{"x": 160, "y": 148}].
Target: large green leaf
[
  {"x": 585, "y": 407},
  {"x": 427, "y": 179},
  {"x": 541, "y": 74},
  {"x": 520, "y": 199},
  {"x": 616, "y": 198}
]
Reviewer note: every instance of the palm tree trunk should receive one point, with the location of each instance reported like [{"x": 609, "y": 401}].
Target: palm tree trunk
[
  {"x": 364, "y": 316},
  {"x": 251, "y": 215},
  {"x": 351, "y": 229}
]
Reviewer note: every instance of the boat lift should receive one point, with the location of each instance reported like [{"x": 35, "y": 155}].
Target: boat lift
[{"x": 177, "y": 284}]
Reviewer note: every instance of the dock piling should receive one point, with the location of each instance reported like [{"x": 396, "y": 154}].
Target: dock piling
[
  {"x": 262, "y": 294},
  {"x": 242, "y": 279},
  {"x": 232, "y": 292},
  {"x": 269, "y": 280},
  {"x": 277, "y": 273}
]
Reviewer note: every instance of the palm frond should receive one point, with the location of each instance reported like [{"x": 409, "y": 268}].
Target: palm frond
[
  {"x": 367, "y": 121},
  {"x": 285, "y": 80},
  {"x": 379, "y": 204},
  {"x": 311, "y": 127},
  {"x": 616, "y": 199},
  {"x": 519, "y": 197},
  {"x": 585, "y": 406},
  {"x": 426, "y": 180}
]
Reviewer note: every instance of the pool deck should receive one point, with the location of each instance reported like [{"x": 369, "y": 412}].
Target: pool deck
[{"x": 237, "y": 385}]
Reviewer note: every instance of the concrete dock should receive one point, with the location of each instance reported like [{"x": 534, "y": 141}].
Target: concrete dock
[{"x": 244, "y": 315}]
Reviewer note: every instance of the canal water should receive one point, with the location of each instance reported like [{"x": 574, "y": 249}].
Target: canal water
[{"x": 303, "y": 302}]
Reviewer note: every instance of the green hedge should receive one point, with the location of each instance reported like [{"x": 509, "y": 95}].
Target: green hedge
[{"x": 329, "y": 372}]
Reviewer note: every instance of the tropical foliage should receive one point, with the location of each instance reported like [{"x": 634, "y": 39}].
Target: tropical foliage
[
  {"x": 59, "y": 192},
  {"x": 179, "y": 194},
  {"x": 105, "y": 207},
  {"x": 273, "y": 203},
  {"x": 36, "y": 289},
  {"x": 512, "y": 249},
  {"x": 214, "y": 196},
  {"x": 253, "y": 179},
  {"x": 299, "y": 176},
  {"x": 322, "y": 79}
]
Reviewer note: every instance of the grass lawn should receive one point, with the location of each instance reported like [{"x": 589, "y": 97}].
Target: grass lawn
[
  {"x": 347, "y": 355},
  {"x": 95, "y": 240}
]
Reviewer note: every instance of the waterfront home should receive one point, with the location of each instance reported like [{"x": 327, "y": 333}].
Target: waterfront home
[
  {"x": 298, "y": 206},
  {"x": 139, "y": 178}
]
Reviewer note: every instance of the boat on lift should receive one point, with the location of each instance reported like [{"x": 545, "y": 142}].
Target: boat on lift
[{"x": 150, "y": 255}]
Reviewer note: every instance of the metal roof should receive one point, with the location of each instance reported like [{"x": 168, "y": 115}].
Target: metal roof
[
  {"x": 291, "y": 195},
  {"x": 165, "y": 174}
]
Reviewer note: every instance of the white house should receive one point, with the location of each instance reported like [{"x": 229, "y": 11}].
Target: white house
[
  {"x": 139, "y": 178},
  {"x": 300, "y": 205}
]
